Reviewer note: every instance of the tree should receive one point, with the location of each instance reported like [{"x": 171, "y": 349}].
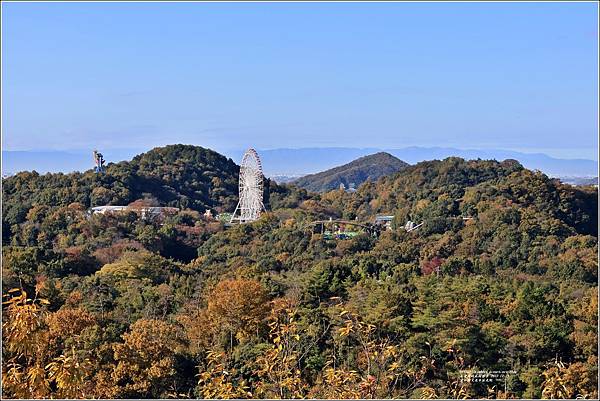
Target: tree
[
  {"x": 145, "y": 361},
  {"x": 277, "y": 367},
  {"x": 216, "y": 380},
  {"x": 30, "y": 366},
  {"x": 237, "y": 307},
  {"x": 137, "y": 265},
  {"x": 576, "y": 380}
]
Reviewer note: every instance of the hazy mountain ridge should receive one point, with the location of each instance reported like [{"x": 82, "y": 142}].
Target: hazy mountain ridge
[
  {"x": 302, "y": 161},
  {"x": 313, "y": 160},
  {"x": 579, "y": 181}
]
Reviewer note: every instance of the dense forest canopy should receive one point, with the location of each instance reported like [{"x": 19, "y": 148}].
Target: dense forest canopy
[
  {"x": 178, "y": 175},
  {"x": 501, "y": 276}
]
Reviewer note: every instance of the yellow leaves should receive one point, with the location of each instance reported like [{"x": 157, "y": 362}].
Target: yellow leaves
[
  {"x": 460, "y": 389},
  {"x": 422, "y": 204},
  {"x": 428, "y": 393},
  {"x": 340, "y": 384},
  {"x": 23, "y": 319},
  {"x": 199, "y": 329},
  {"x": 238, "y": 306},
  {"x": 26, "y": 337},
  {"x": 277, "y": 367},
  {"x": 19, "y": 384},
  {"x": 554, "y": 384},
  {"x": 346, "y": 330},
  {"x": 215, "y": 380},
  {"x": 69, "y": 373},
  {"x": 37, "y": 381},
  {"x": 146, "y": 358},
  {"x": 282, "y": 257},
  {"x": 69, "y": 322},
  {"x": 393, "y": 367},
  {"x": 585, "y": 312},
  {"x": 576, "y": 380},
  {"x": 391, "y": 351}
]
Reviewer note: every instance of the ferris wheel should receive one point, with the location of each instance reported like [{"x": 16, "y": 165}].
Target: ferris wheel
[{"x": 250, "y": 204}]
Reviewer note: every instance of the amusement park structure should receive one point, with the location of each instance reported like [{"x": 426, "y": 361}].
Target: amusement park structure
[
  {"x": 145, "y": 212},
  {"x": 250, "y": 204},
  {"x": 346, "y": 229},
  {"x": 339, "y": 229},
  {"x": 99, "y": 161}
]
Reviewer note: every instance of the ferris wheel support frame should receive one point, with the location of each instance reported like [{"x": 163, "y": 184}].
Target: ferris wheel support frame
[{"x": 250, "y": 204}]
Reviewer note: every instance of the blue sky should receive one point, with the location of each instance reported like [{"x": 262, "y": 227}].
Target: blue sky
[{"x": 517, "y": 76}]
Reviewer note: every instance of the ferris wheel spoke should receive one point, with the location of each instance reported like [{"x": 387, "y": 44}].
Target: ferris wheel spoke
[{"x": 250, "y": 204}]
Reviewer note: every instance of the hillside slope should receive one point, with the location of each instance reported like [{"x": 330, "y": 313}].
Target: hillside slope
[
  {"x": 440, "y": 193},
  {"x": 176, "y": 175},
  {"x": 354, "y": 173}
]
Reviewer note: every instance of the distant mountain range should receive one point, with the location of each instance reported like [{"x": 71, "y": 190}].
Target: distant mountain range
[
  {"x": 313, "y": 160},
  {"x": 282, "y": 178},
  {"x": 352, "y": 174},
  {"x": 580, "y": 180},
  {"x": 302, "y": 161},
  {"x": 55, "y": 161}
]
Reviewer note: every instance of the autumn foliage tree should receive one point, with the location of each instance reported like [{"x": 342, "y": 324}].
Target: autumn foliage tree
[
  {"x": 237, "y": 307},
  {"x": 35, "y": 365},
  {"x": 277, "y": 368},
  {"x": 145, "y": 361}
]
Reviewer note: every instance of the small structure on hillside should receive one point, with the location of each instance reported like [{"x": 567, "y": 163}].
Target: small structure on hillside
[
  {"x": 99, "y": 162},
  {"x": 410, "y": 226},
  {"x": 341, "y": 229},
  {"x": 350, "y": 188},
  {"x": 145, "y": 212},
  {"x": 385, "y": 221}
]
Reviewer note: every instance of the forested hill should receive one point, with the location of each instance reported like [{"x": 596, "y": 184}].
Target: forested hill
[
  {"x": 432, "y": 191},
  {"x": 354, "y": 173},
  {"x": 184, "y": 307},
  {"x": 184, "y": 176}
]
